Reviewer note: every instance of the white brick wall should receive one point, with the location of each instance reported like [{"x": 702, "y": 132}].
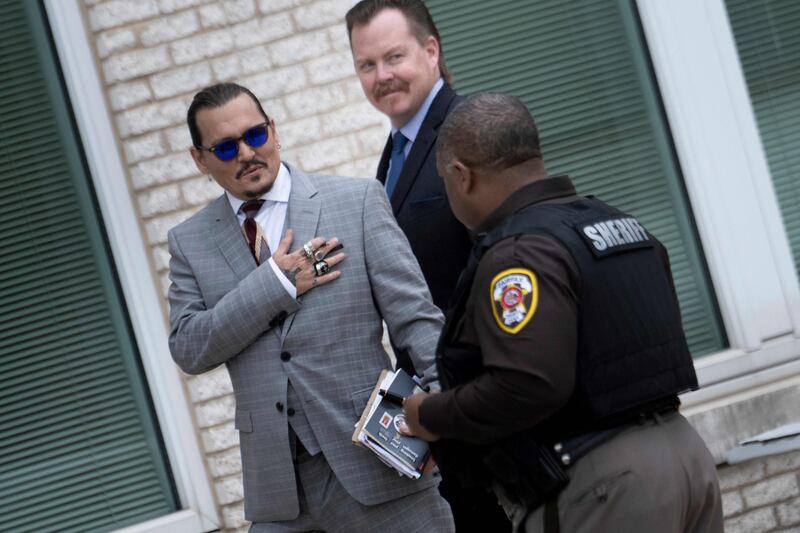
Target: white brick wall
[
  {"x": 116, "y": 12},
  {"x": 126, "y": 95},
  {"x": 144, "y": 147},
  {"x": 136, "y": 63},
  {"x": 294, "y": 54},
  {"x": 225, "y": 463},
  {"x": 219, "y": 438},
  {"x": 110, "y": 42},
  {"x": 762, "y": 495},
  {"x": 178, "y": 80},
  {"x": 152, "y": 117},
  {"x": 169, "y": 28}
]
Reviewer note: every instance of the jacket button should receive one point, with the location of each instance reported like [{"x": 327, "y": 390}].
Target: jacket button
[
  {"x": 290, "y": 411},
  {"x": 279, "y": 407},
  {"x": 285, "y": 356}
]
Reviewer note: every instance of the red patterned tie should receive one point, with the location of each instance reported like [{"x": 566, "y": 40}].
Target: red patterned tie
[{"x": 252, "y": 231}]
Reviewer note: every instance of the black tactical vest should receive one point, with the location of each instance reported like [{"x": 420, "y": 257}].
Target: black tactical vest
[{"x": 632, "y": 354}]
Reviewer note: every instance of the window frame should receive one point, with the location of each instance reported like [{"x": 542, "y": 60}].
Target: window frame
[
  {"x": 732, "y": 196},
  {"x": 98, "y": 139}
]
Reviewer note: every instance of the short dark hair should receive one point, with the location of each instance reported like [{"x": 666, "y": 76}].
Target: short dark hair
[
  {"x": 489, "y": 130},
  {"x": 419, "y": 20},
  {"x": 215, "y": 96}
]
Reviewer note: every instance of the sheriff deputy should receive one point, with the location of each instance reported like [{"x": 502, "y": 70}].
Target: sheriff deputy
[{"x": 563, "y": 353}]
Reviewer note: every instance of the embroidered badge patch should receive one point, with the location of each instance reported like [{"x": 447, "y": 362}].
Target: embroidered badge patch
[{"x": 514, "y": 293}]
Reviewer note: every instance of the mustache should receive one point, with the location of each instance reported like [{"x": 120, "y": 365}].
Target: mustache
[
  {"x": 247, "y": 167},
  {"x": 386, "y": 87}
]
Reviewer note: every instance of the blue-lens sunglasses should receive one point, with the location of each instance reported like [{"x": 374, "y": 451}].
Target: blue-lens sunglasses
[{"x": 227, "y": 149}]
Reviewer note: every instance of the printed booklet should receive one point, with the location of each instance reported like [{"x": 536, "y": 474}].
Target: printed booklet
[{"x": 378, "y": 429}]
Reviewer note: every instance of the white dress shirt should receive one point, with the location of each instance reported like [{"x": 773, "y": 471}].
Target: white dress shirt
[{"x": 271, "y": 217}]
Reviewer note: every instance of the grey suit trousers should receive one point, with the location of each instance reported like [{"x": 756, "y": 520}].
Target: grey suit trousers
[
  {"x": 657, "y": 477},
  {"x": 326, "y": 506}
]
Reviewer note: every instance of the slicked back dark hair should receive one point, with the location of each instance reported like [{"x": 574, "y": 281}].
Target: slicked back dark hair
[
  {"x": 215, "y": 96},
  {"x": 416, "y": 13},
  {"x": 494, "y": 131}
]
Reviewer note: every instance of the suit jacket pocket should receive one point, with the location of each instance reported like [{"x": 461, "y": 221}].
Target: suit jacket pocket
[
  {"x": 425, "y": 206},
  {"x": 243, "y": 422},
  {"x": 360, "y": 399}
]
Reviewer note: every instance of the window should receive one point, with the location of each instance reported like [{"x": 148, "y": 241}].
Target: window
[
  {"x": 80, "y": 447},
  {"x": 582, "y": 69},
  {"x": 767, "y": 36}
]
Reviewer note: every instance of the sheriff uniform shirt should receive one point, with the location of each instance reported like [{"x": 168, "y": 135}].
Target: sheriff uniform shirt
[{"x": 522, "y": 314}]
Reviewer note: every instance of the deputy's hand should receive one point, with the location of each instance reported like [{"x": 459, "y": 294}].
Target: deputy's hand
[
  {"x": 300, "y": 269},
  {"x": 412, "y": 426}
]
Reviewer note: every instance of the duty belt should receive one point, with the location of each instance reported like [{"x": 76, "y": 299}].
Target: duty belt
[{"x": 570, "y": 450}]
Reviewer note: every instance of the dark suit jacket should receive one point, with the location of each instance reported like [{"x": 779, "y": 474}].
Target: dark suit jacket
[{"x": 439, "y": 241}]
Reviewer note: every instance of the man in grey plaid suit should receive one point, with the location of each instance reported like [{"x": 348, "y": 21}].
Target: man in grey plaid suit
[{"x": 299, "y": 331}]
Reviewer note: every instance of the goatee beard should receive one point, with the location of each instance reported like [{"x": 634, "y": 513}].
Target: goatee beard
[{"x": 253, "y": 195}]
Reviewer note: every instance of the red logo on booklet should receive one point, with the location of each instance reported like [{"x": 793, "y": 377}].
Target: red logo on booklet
[{"x": 386, "y": 419}]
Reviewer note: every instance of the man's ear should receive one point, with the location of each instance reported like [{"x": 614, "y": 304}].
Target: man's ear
[
  {"x": 198, "y": 157},
  {"x": 274, "y": 132},
  {"x": 432, "y": 49},
  {"x": 465, "y": 177}
]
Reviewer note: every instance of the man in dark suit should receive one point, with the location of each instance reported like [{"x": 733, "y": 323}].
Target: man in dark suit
[{"x": 398, "y": 59}]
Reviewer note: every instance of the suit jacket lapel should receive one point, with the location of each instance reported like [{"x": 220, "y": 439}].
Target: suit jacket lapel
[
  {"x": 422, "y": 146},
  {"x": 302, "y": 217},
  {"x": 230, "y": 239},
  {"x": 383, "y": 165}
]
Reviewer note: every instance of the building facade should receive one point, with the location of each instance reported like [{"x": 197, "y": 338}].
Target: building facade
[{"x": 684, "y": 113}]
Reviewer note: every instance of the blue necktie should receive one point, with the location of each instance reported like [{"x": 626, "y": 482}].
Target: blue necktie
[{"x": 398, "y": 158}]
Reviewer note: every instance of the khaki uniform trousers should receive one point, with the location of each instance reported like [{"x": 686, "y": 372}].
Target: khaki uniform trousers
[{"x": 655, "y": 477}]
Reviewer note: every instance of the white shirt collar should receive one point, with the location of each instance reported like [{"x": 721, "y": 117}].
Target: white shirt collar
[
  {"x": 278, "y": 193},
  {"x": 411, "y": 129}
]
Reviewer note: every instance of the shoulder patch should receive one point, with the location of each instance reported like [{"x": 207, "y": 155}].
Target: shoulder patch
[{"x": 514, "y": 294}]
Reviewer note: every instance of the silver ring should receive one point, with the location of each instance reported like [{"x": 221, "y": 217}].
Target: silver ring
[
  {"x": 321, "y": 268},
  {"x": 309, "y": 250},
  {"x": 318, "y": 255}
]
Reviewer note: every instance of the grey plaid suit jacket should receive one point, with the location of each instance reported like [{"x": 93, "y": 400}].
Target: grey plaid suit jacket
[{"x": 225, "y": 309}]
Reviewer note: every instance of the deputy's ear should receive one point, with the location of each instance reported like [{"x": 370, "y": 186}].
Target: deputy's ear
[
  {"x": 465, "y": 177},
  {"x": 199, "y": 160}
]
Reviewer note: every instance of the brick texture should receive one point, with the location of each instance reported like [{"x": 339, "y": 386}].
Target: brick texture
[
  {"x": 758, "y": 521},
  {"x": 135, "y": 63},
  {"x": 229, "y": 490},
  {"x": 225, "y": 463},
  {"x": 126, "y": 95},
  {"x": 732, "y": 504},
  {"x": 216, "y": 411},
  {"x": 771, "y": 490},
  {"x": 114, "y": 41},
  {"x": 233, "y": 516},
  {"x": 762, "y": 494},
  {"x": 210, "y": 385},
  {"x": 114, "y": 13},
  {"x": 294, "y": 54},
  {"x": 789, "y": 513}
]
